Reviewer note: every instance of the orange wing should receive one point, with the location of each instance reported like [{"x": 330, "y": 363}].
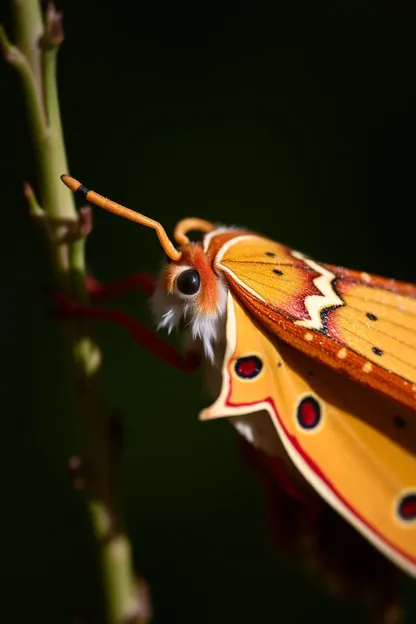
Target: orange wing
[
  {"x": 353, "y": 446},
  {"x": 359, "y": 324}
]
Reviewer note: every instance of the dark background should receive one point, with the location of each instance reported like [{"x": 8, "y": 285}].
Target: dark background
[{"x": 298, "y": 122}]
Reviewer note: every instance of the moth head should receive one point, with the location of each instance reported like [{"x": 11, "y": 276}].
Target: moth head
[{"x": 189, "y": 293}]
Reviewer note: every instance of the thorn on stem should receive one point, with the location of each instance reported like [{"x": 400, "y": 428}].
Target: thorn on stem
[
  {"x": 85, "y": 221},
  {"x": 35, "y": 209},
  {"x": 140, "y": 607},
  {"x": 53, "y": 33},
  {"x": 7, "y": 48}
]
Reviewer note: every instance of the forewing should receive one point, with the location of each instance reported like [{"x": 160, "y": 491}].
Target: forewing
[{"x": 358, "y": 324}]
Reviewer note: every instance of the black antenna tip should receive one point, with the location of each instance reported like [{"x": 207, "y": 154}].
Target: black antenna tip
[{"x": 82, "y": 190}]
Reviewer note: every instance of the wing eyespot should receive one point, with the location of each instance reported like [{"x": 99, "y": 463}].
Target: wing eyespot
[
  {"x": 308, "y": 413},
  {"x": 406, "y": 508},
  {"x": 248, "y": 367}
]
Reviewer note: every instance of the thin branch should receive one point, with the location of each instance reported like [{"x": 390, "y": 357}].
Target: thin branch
[
  {"x": 35, "y": 209},
  {"x": 50, "y": 43},
  {"x": 15, "y": 57},
  {"x": 34, "y": 57},
  {"x": 28, "y": 23}
]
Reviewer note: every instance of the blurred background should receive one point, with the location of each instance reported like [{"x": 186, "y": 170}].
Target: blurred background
[{"x": 296, "y": 121}]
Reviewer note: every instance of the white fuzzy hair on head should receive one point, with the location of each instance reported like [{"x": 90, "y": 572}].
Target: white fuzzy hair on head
[{"x": 173, "y": 310}]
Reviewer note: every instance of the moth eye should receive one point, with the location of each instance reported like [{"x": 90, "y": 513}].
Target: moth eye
[{"x": 188, "y": 282}]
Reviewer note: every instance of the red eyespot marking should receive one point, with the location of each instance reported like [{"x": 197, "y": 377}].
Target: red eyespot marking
[
  {"x": 309, "y": 413},
  {"x": 407, "y": 507},
  {"x": 248, "y": 367}
]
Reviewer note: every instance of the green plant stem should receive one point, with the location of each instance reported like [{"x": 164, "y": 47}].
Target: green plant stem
[
  {"x": 46, "y": 142},
  {"x": 29, "y": 28},
  {"x": 54, "y": 139},
  {"x": 34, "y": 106},
  {"x": 34, "y": 57}
]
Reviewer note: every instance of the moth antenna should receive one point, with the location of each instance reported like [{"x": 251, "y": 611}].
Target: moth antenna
[
  {"x": 103, "y": 202},
  {"x": 187, "y": 225}
]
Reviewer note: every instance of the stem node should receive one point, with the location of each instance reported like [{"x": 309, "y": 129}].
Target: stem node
[{"x": 53, "y": 34}]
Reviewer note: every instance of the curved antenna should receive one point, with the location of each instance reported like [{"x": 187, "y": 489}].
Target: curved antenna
[
  {"x": 122, "y": 211},
  {"x": 187, "y": 225}
]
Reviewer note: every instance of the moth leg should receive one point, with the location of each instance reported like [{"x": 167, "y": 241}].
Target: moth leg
[
  {"x": 68, "y": 309},
  {"x": 99, "y": 292}
]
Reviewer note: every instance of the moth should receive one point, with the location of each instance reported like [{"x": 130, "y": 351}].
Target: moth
[{"x": 313, "y": 364}]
